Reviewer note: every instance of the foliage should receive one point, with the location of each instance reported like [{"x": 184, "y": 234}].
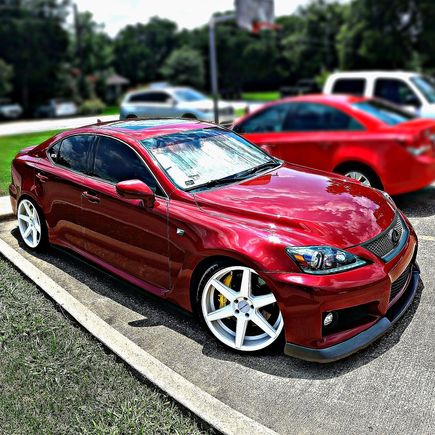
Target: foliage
[
  {"x": 184, "y": 66},
  {"x": 6, "y": 72},
  {"x": 141, "y": 49},
  {"x": 34, "y": 41},
  {"x": 92, "y": 107}
]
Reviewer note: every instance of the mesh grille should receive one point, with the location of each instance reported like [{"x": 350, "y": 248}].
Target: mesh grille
[
  {"x": 400, "y": 282},
  {"x": 383, "y": 244}
]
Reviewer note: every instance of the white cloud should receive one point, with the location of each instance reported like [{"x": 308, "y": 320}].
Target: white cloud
[{"x": 116, "y": 14}]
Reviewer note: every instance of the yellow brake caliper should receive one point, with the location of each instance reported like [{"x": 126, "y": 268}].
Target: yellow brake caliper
[{"x": 221, "y": 298}]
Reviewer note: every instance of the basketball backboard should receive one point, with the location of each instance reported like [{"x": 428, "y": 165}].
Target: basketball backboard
[{"x": 255, "y": 15}]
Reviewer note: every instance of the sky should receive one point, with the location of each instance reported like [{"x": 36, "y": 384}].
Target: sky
[{"x": 115, "y": 14}]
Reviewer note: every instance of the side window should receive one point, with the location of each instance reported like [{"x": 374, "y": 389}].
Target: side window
[
  {"x": 74, "y": 152},
  {"x": 319, "y": 117},
  {"x": 268, "y": 120},
  {"x": 349, "y": 86},
  {"x": 149, "y": 97},
  {"x": 396, "y": 91},
  {"x": 115, "y": 162}
]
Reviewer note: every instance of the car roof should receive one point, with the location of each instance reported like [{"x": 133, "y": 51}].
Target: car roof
[
  {"x": 140, "y": 129},
  {"x": 168, "y": 89},
  {"x": 373, "y": 74},
  {"x": 326, "y": 98}
]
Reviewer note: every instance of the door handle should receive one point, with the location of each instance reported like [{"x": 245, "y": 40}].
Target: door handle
[
  {"x": 41, "y": 177},
  {"x": 91, "y": 197}
]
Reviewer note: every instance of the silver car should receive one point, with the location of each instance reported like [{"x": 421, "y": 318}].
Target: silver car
[{"x": 173, "y": 102}]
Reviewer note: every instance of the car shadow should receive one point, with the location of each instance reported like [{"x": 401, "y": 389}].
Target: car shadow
[
  {"x": 158, "y": 312},
  {"x": 418, "y": 204}
]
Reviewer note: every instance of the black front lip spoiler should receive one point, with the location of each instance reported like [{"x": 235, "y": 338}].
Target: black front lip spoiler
[{"x": 363, "y": 339}]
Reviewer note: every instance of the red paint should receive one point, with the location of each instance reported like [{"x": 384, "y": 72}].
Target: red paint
[
  {"x": 251, "y": 222},
  {"x": 380, "y": 147}
]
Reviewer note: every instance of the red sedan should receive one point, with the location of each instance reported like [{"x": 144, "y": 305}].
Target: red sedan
[
  {"x": 369, "y": 140},
  {"x": 259, "y": 249}
]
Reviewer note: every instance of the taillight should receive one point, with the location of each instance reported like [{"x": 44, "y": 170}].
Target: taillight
[{"x": 423, "y": 144}]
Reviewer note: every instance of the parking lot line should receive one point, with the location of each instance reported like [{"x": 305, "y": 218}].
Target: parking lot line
[{"x": 430, "y": 238}]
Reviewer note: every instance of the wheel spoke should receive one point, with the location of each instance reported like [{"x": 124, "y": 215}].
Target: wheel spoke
[
  {"x": 27, "y": 232},
  {"x": 262, "y": 301},
  {"x": 37, "y": 225},
  {"x": 245, "y": 285},
  {"x": 240, "y": 332},
  {"x": 23, "y": 217},
  {"x": 222, "y": 313},
  {"x": 263, "y": 324},
  {"x": 28, "y": 211},
  {"x": 224, "y": 290},
  {"x": 35, "y": 235}
]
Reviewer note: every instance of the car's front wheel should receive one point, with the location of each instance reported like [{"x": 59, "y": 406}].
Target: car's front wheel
[
  {"x": 31, "y": 224},
  {"x": 238, "y": 308}
]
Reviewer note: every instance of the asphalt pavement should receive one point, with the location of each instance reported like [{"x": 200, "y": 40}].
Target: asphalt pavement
[{"x": 386, "y": 388}]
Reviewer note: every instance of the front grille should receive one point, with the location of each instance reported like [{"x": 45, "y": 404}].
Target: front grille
[
  {"x": 383, "y": 244},
  {"x": 400, "y": 282}
]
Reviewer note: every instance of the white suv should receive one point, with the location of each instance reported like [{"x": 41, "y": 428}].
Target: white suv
[{"x": 410, "y": 90}]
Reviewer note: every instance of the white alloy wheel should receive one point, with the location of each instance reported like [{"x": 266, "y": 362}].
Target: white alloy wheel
[
  {"x": 29, "y": 223},
  {"x": 356, "y": 175},
  {"x": 240, "y": 310}
]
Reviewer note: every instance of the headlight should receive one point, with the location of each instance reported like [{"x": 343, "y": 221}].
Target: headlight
[{"x": 323, "y": 260}]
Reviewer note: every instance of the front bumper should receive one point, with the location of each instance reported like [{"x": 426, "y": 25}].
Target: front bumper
[{"x": 363, "y": 339}]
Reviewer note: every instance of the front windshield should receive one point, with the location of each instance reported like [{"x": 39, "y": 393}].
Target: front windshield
[
  {"x": 387, "y": 113},
  {"x": 194, "y": 158},
  {"x": 426, "y": 87},
  {"x": 189, "y": 95}
]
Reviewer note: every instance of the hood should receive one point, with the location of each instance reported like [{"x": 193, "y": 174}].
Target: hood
[{"x": 308, "y": 206}]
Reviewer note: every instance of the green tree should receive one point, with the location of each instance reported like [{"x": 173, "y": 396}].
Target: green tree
[
  {"x": 140, "y": 50},
  {"x": 377, "y": 34},
  {"x": 184, "y": 66},
  {"x": 34, "y": 41},
  {"x": 6, "y": 72}
]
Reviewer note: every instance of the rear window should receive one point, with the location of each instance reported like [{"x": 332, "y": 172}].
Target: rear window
[
  {"x": 388, "y": 114},
  {"x": 349, "y": 86},
  {"x": 72, "y": 152}
]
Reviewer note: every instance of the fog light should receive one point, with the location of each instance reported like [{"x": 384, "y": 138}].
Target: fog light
[{"x": 329, "y": 318}]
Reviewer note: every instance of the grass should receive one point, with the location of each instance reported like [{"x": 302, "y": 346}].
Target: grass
[
  {"x": 111, "y": 110},
  {"x": 261, "y": 96},
  {"x": 55, "y": 378},
  {"x": 9, "y": 147}
]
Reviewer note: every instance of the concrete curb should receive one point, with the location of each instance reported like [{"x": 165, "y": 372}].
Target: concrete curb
[
  {"x": 5, "y": 208},
  {"x": 219, "y": 415}
]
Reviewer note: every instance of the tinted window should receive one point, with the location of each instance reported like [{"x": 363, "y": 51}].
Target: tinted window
[
  {"x": 267, "y": 120},
  {"x": 396, "y": 91},
  {"x": 426, "y": 86},
  {"x": 74, "y": 152},
  {"x": 149, "y": 97},
  {"x": 387, "y": 113},
  {"x": 318, "y": 117},
  {"x": 349, "y": 86},
  {"x": 115, "y": 162}
]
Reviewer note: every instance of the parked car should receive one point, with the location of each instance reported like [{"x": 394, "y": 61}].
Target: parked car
[
  {"x": 56, "y": 108},
  {"x": 370, "y": 140},
  {"x": 173, "y": 102},
  {"x": 9, "y": 109},
  {"x": 413, "y": 91},
  {"x": 197, "y": 215}
]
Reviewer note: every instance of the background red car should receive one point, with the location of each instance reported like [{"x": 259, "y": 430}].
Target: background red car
[{"x": 366, "y": 139}]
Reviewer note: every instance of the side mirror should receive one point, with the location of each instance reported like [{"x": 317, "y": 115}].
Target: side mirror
[
  {"x": 171, "y": 101},
  {"x": 136, "y": 189}
]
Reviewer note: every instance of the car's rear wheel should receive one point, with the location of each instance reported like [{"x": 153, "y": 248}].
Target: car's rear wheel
[
  {"x": 361, "y": 173},
  {"x": 31, "y": 224},
  {"x": 238, "y": 308},
  {"x": 359, "y": 176}
]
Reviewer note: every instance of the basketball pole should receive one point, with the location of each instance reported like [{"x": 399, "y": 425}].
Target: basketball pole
[{"x": 213, "y": 60}]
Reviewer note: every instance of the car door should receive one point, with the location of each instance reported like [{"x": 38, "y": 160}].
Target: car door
[
  {"x": 309, "y": 134},
  {"x": 121, "y": 233},
  {"x": 60, "y": 182},
  {"x": 152, "y": 104}
]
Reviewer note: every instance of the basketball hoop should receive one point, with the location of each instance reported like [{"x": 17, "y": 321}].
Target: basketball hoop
[{"x": 255, "y": 15}]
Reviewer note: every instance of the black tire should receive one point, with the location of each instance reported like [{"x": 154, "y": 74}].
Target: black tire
[{"x": 42, "y": 240}]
